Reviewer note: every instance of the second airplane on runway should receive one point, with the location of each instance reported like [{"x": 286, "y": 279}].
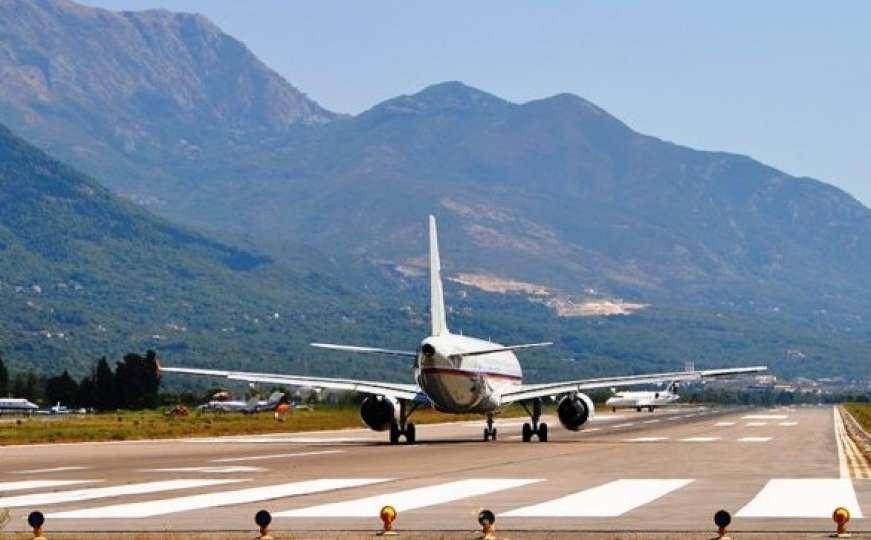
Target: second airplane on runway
[{"x": 460, "y": 374}]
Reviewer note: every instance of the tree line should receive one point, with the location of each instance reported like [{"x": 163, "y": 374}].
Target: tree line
[{"x": 133, "y": 385}]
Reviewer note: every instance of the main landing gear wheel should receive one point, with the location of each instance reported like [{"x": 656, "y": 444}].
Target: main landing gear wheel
[
  {"x": 539, "y": 430},
  {"x": 403, "y": 428},
  {"x": 489, "y": 431}
]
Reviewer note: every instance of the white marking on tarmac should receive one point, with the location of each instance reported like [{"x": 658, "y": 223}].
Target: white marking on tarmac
[
  {"x": 214, "y": 470},
  {"x": 211, "y": 500},
  {"x": 37, "y": 484},
  {"x": 803, "y": 498},
  {"x": 608, "y": 500},
  {"x": 765, "y": 417},
  {"x": 724, "y": 424},
  {"x": 54, "y": 469},
  {"x": 700, "y": 439},
  {"x": 650, "y": 421},
  {"x": 754, "y": 439},
  {"x": 56, "y": 497},
  {"x": 756, "y": 424},
  {"x": 787, "y": 423},
  {"x": 283, "y": 440},
  {"x": 647, "y": 439},
  {"x": 591, "y": 429},
  {"x": 276, "y": 456},
  {"x": 627, "y": 424},
  {"x": 672, "y": 417},
  {"x": 409, "y": 499}
]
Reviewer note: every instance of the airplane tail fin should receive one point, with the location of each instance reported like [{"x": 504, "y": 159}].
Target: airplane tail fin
[{"x": 437, "y": 296}]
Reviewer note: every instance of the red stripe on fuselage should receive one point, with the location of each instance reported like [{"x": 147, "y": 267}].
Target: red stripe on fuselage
[{"x": 470, "y": 373}]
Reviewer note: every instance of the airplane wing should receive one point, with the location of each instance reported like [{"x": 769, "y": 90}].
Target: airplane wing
[
  {"x": 367, "y": 350},
  {"x": 531, "y": 391},
  {"x": 409, "y": 392},
  {"x": 502, "y": 349}
]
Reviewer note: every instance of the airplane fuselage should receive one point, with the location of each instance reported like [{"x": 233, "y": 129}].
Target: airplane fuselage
[{"x": 465, "y": 384}]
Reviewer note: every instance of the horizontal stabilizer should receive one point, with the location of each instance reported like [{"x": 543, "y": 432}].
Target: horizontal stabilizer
[
  {"x": 365, "y": 350},
  {"x": 505, "y": 348}
]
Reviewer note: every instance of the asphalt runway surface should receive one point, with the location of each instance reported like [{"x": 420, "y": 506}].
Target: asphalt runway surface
[{"x": 783, "y": 469}]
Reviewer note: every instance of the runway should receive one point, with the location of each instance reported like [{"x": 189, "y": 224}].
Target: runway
[{"x": 780, "y": 469}]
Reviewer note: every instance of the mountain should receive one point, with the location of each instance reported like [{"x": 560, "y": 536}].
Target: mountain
[
  {"x": 84, "y": 273},
  {"x": 137, "y": 97}
]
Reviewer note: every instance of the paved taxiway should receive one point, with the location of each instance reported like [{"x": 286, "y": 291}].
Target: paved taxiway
[{"x": 774, "y": 469}]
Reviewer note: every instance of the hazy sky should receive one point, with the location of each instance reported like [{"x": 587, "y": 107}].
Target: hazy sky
[{"x": 787, "y": 82}]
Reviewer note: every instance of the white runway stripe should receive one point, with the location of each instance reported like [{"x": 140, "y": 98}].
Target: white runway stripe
[
  {"x": 38, "y": 484},
  {"x": 283, "y": 440},
  {"x": 651, "y": 421},
  {"x": 627, "y": 424},
  {"x": 56, "y": 497},
  {"x": 787, "y": 423},
  {"x": 803, "y": 498},
  {"x": 700, "y": 439},
  {"x": 276, "y": 456},
  {"x": 53, "y": 469},
  {"x": 211, "y": 500},
  {"x": 409, "y": 499},
  {"x": 756, "y": 424},
  {"x": 754, "y": 439},
  {"x": 608, "y": 500},
  {"x": 724, "y": 424},
  {"x": 647, "y": 439},
  {"x": 209, "y": 470}
]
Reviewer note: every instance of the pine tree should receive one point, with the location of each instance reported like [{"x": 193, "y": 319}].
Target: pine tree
[
  {"x": 105, "y": 393},
  {"x": 137, "y": 381},
  {"x": 62, "y": 389},
  {"x": 4, "y": 379}
]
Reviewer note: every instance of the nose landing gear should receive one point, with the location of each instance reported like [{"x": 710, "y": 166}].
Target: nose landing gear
[
  {"x": 489, "y": 431},
  {"x": 403, "y": 427},
  {"x": 535, "y": 428}
]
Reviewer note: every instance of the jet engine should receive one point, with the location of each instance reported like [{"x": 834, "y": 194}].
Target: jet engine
[
  {"x": 378, "y": 412},
  {"x": 574, "y": 411}
]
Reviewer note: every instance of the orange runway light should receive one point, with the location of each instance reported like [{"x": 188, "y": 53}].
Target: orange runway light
[{"x": 388, "y": 516}]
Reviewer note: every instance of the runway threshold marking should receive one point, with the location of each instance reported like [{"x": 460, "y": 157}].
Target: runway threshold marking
[
  {"x": 57, "y": 497},
  {"x": 211, "y": 500},
  {"x": 851, "y": 461},
  {"x": 607, "y": 500},
  {"x": 209, "y": 470},
  {"x": 409, "y": 499},
  {"x": 38, "y": 484},
  {"x": 275, "y": 456},
  {"x": 802, "y": 498},
  {"x": 51, "y": 470}
]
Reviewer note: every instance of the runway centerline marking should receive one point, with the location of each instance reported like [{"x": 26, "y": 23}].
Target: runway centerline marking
[
  {"x": 647, "y": 439},
  {"x": 627, "y": 424},
  {"x": 209, "y": 470},
  {"x": 756, "y": 424},
  {"x": 803, "y": 498},
  {"x": 276, "y": 456},
  {"x": 650, "y": 421},
  {"x": 51, "y": 470},
  {"x": 787, "y": 423},
  {"x": 57, "y": 497},
  {"x": 409, "y": 499},
  {"x": 211, "y": 500},
  {"x": 607, "y": 500},
  {"x": 724, "y": 424},
  {"x": 754, "y": 439},
  {"x": 700, "y": 439},
  {"x": 38, "y": 484}
]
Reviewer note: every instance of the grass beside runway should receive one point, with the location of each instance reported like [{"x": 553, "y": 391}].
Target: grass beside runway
[
  {"x": 862, "y": 413},
  {"x": 139, "y": 425}
]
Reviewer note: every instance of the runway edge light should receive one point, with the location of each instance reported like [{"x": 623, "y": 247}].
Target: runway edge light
[
  {"x": 722, "y": 519},
  {"x": 263, "y": 518},
  {"x": 841, "y": 516},
  {"x": 36, "y": 520},
  {"x": 487, "y": 521},
  {"x": 388, "y": 516}
]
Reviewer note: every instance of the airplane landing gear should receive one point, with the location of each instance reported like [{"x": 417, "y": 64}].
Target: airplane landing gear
[
  {"x": 536, "y": 428},
  {"x": 403, "y": 427},
  {"x": 489, "y": 431}
]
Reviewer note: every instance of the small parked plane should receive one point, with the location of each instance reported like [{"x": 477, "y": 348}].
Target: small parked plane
[
  {"x": 253, "y": 405},
  {"x": 17, "y": 406},
  {"x": 643, "y": 400},
  {"x": 461, "y": 374}
]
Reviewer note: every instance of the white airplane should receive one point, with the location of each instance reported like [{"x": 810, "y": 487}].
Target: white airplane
[
  {"x": 251, "y": 406},
  {"x": 644, "y": 400},
  {"x": 17, "y": 406},
  {"x": 460, "y": 374}
]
